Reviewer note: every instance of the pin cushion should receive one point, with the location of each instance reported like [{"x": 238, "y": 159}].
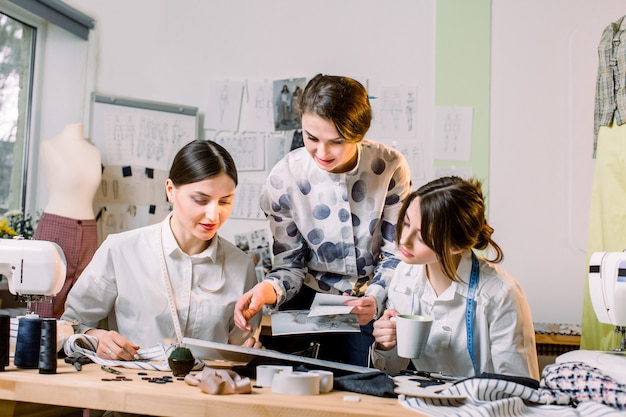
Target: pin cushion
[{"x": 181, "y": 361}]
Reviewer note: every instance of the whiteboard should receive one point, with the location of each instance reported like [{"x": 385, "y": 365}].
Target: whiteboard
[{"x": 140, "y": 132}]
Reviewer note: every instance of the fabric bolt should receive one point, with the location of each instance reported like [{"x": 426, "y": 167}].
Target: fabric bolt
[
  {"x": 335, "y": 232},
  {"x": 607, "y": 226},
  {"x": 610, "y": 102},
  {"x": 125, "y": 283},
  {"x": 504, "y": 337},
  {"x": 79, "y": 240},
  {"x": 581, "y": 383},
  {"x": 492, "y": 397}
]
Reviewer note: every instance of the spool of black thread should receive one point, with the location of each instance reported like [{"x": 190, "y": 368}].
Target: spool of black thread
[
  {"x": 48, "y": 347},
  {"x": 27, "y": 343},
  {"x": 5, "y": 337}
]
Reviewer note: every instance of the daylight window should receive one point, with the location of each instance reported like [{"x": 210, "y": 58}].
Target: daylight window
[{"x": 17, "y": 48}]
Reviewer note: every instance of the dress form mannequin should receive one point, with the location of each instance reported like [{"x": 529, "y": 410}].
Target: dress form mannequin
[{"x": 72, "y": 170}]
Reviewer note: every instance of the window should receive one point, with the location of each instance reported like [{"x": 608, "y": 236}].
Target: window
[
  {"x": 17, "y": 49},
  {"x": 52, "y": 29}
]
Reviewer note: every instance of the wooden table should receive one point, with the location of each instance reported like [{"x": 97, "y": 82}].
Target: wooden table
[{"x": 86, "y": 389}]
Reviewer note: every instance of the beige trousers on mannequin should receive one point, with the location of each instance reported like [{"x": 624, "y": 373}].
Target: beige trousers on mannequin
[{"x": 607, "y": 225}]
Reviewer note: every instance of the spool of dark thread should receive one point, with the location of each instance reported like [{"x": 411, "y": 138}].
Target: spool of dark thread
[
  {"x": 5, "y": 337},
  {"x": 27, "y": 343},
  {"x": 48, "y": 347}
]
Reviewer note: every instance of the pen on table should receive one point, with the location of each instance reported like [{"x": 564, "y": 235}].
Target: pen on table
[
  {"x": 371, "y": 97},
  {"x": 110, "y": 370}
]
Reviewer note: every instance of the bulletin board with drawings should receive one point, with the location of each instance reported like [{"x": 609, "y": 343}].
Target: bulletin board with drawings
[{"x": 138, "y": 140}]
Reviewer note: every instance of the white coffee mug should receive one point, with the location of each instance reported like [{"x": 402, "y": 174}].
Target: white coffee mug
[{"x": 412, "y": 333}]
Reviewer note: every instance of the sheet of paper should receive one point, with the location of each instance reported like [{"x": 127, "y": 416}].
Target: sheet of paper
[
  {"x": 329, "y": 310},
  {"x": 330, "y": 300},
  {"x": 299, "y": 322}
]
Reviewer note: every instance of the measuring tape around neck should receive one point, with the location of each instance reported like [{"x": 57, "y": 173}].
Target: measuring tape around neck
[{"x": 470, "y": 309}]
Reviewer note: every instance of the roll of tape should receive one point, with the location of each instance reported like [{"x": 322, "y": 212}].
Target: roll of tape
[
  {"x": 265, "y": 373},
  {"x": 326, "y": 380},
  {"x": 296, "y": 383}
]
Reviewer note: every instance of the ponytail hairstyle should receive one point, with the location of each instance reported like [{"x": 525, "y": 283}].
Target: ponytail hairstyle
[
  {"x": 453, "y": 219},
  {"x": 199, "y": 160}
]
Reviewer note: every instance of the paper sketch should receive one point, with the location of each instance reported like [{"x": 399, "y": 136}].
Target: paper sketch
[
  {"x": 247, "y": 149},
  {"x": 453, "y": 133},
  {"x": 396, "y": 112},
  {"x": 257, "y": 112},
  {"x": 246, "y": 204},
  {"x": 224, "y": 105},
  {"x": 276, "y": 147},
  {"x": 413, "y": 151},
  {"x": 143, "y": 140}
]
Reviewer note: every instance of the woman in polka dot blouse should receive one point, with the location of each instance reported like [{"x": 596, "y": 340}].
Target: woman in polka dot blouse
[{"x": 332, "y": 206}]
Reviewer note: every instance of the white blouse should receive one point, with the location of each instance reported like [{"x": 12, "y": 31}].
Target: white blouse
[
  {"x": 125, "y": 284},
  {"x": 503, "y": 331}
]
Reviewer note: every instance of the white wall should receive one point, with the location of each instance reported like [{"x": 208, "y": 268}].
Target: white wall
[{"x": 544, "y": 66}]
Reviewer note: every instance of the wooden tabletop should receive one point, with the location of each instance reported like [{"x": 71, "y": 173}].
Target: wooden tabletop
[{"x": 86, "y": 389}]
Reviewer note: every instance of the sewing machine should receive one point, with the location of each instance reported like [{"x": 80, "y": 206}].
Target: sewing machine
[
  {"x": 607, "y": 289},
  {"x": 34, "y": 268}
]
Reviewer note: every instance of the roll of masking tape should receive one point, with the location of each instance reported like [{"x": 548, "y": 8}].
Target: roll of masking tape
[
  {"x": 296, "y": 383},
  {"x": 265, "y": 373},
  {"x": 326, "y": 380}
]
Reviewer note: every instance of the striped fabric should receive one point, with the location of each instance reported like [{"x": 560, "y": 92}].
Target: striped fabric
[
  {"x": 153, "y": 359},
  {"x": 496, "y": 397}
]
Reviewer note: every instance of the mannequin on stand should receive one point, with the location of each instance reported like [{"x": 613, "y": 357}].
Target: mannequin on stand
[{"x": 72, "y": 170}]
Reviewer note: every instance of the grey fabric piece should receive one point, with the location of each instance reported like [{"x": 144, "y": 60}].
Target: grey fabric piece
[{"x": 373, "y": 383}]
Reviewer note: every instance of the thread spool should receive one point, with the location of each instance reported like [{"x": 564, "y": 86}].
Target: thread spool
[
  {"x": 28, "y": 342},
  {"x": 48, "y": 347},
  {"x": 5, "y": 337},
  {"x": 265, "y": 373},
  {"x": 326, "y": 380},
  {"x": 296, "y": 383}
]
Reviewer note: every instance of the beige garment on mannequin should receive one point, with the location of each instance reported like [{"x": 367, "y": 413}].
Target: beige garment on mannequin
[{"x": 72, "y": 171}]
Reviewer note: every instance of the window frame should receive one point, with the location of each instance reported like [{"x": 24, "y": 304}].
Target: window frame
[
  {"x": 29, "y": 124},
  {"x": 52, "y": 41}
]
